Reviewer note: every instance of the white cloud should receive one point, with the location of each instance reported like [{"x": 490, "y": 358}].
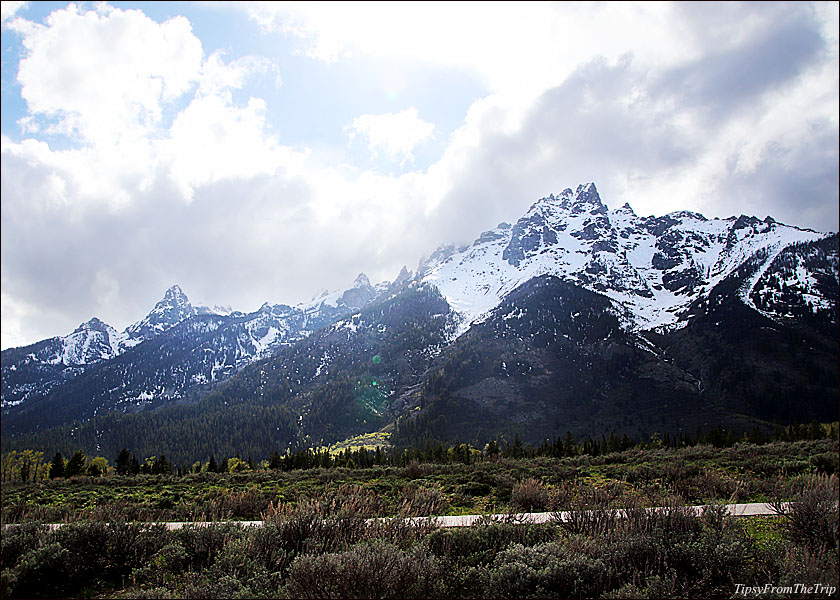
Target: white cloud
[
  {"x": 218, "y": 77},
  {"x": 170, "y": 177},
  {"x": 393, "y": 134},
  {"x": 523, "y": 47},
  {"x": 16, "y": 330},
  {"x": 211, "y": 140},
  {"x": 9, "y": 8},
  {"x": 141, "y": 99},
  {"x": 105, "y": 75}
]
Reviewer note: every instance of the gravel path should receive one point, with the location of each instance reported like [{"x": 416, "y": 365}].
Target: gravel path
[{"x": 754, "y": 509}]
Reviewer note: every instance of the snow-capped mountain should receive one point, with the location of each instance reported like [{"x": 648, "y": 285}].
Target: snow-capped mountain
[
  {"x": 171, "y": 310},
  {"x": 576, "y": 317},
  {"x": 221, "y": 341},
  {"x": 91, "y": 342},
  {"x": 653, "y": 268}
]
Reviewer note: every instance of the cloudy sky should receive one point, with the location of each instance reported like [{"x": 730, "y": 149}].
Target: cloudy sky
[{"x": 257, "y": 152}]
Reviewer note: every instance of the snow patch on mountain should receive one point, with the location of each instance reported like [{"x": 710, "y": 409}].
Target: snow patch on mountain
[{"x": 653, "y": 268}]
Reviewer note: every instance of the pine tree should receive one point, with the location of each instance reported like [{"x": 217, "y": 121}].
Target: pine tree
[
  {"x": 76, "y": 465},
  {"x": 57, "y": 466},
  {"x": 134, "y": 467},
  {"x": 162, "y": 466},
  {"x": 516, "y": 451},
  {"x": 123, "y": 462}
]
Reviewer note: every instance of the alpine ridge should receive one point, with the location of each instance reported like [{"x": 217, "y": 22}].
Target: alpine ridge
[
  {"x": 576, "y": 317},
  {"x": 33, "y": 371},
  {"x": 652, "y": 267}
]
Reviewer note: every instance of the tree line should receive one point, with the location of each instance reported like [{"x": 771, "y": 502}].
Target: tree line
[{"x": 29, "y": 465}]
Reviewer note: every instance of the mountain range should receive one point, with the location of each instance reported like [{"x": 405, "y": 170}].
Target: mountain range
[{"x": 575, "y": 318}]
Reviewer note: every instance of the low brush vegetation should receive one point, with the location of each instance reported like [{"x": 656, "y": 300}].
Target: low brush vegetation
[
  {"x": 317, "y": 542},
  {"x": 325, "y": 548}
]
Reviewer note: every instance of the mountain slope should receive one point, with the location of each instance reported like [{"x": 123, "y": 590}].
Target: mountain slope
[
  {"x": 575, "y": 318},
  {"x": 177, "y": 346},
  {"x": 33, "y": 371},
  {"x": 655, "y": 267},
  {"x": 551, "y": 358},
  {"x": 340, "y": 381}
]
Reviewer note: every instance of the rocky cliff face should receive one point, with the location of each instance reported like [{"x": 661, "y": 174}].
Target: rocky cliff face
[{"x": 652, "y": 267}]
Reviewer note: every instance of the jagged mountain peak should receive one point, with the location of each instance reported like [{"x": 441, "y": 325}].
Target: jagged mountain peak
[
  {"x": 626, "y": 209},
  {"x": 652, "y": 266},
  {"x": 360, "y": 294},
  {"x": 584, "y": 200},
  {"x": 175, "y": 295},
  {"x": 171, "y": 310},
  {"x": 587, "y": 193},
  {"x": 94, "y": 324},
  {"x": 216, "y": 309},
  {"x": 404, "y": 275},
  {"x": 687, "y": 214},
  {"x": 362, "y": 282}
]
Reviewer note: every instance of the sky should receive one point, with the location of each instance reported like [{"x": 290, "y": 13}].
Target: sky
[{"x": 255, "y": 152}]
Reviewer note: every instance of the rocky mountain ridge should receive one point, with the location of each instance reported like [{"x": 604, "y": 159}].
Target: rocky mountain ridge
[
  {"x": 576, "y": 317},
  {"x": 35, "y": 370},
  {"x": 652, "y": 267}
]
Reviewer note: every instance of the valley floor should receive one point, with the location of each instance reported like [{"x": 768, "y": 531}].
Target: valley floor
[{"x": 324, "y": 535}]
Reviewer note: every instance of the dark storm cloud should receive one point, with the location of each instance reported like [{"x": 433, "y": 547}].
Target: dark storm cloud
[
  {"x": 724, "y": 82},
  {"x": 797, "y": 186},
  {"x": 583, "y": 130},
  {"x": 610, "y": 124}
]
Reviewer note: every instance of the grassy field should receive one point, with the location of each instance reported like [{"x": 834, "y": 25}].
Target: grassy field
[
  {"x": 694, "y": 475},
  {"x": 317, "y": 544}
]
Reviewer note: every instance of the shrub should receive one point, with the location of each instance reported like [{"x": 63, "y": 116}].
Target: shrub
[
  {"x": 308, "y": 530},
  {"x": 812, "y": 518},
  {"x": 148, "y": 594},
  {"x": 242, "y": 504},
  {"x": 413, "y": 470},
  {"x": 591, "y": 515},
  {"x": 129, "y": 545},
  {"x": 19, "y": 539},
  {"x": 545, "y": 571},
  {"x": 49, "y": 570},
  {"x": 799, "y": 564},
  {"x": 266, "y": 548},
  {"x": 86, "y": 542},
  {"x": 342, "y": 501},
  {"x": 161, "y": 568},
  {"x": 215, "y": 587},
  {"x": 421, "y": 501},
  {"x": 826, "y": 463},
  {"x": 529, "y": 495},
  {"x": 479, "y": 545},
  {"x": 237, "y": 561},
  {"x": 203, "y": 543},
  {"x": 375, "y": 570},
  {"x": 672, "y": 521},
  {"x": 653, "y": 587}
]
